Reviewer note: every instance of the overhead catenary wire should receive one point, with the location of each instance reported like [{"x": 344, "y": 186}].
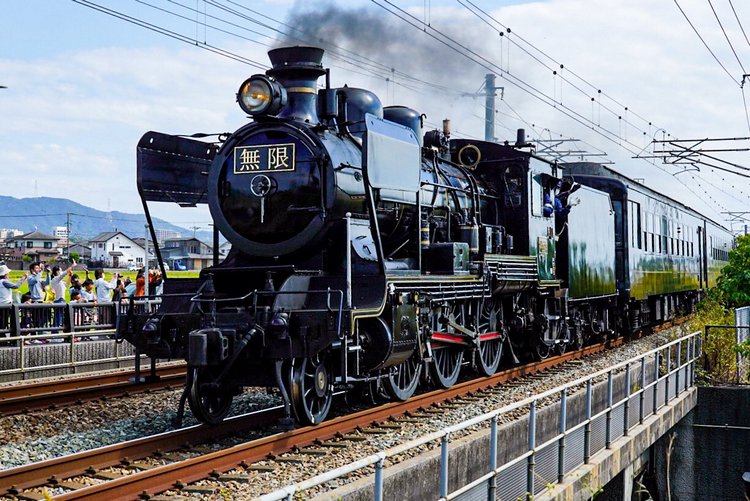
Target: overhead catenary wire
[
  {"x": 739, "y": 23},
  {"x": 704, "y": 43},
  {"x": 380, "y": 70},
  {"x": 726, "y": 36}
]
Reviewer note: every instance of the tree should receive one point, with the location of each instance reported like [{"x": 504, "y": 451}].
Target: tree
[
  {"x": 734, "y": 281},
  {"x": 75, "y": 256}
]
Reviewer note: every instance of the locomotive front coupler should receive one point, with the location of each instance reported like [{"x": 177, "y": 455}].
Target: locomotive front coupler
[{"x": 229, "y": 364}]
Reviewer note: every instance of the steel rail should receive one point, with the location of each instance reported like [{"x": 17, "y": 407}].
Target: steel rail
[
  {"x": 50, "y": 394},
  {"x": 180, "y": 473},
  {"x": 51, "y": 471}
]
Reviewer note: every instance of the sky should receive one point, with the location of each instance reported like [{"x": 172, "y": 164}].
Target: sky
[{"x": 83, "y": 86}]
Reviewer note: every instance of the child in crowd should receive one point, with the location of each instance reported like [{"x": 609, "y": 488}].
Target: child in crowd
[{"x": 89, "y": 296}]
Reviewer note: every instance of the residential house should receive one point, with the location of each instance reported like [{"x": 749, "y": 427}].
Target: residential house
[
  {"x": 114, "y": 249},
  {"x": 187, "y": 253},
  {"x": 61, "y": 232},
  {"x": 224, "y": 250},
  {"x": 39, "y": 246},
  {"x": 83, "y": 251}
]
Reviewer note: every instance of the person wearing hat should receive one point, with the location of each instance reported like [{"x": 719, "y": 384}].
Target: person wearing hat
[
  {"x": 6, "y": 296},
  {"x": 6, "y": 286}
]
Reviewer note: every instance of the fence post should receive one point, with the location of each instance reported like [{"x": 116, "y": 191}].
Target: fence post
[
  {"x": 679, "y": 368},
  {"x": 608, "y": 430},
  {"x": 655, "y": 406},
  {"x": 563, "y": 427},
  {"x": 15, "y": 326},
  {"x": 532, "y": 456},
  {"x": 666, "y": 376},
  {"x": 68, "y": 319},
  {"x": 444, "y": 465},
  {"x": 587, "y": 426},
  {"x": 642, "y": 399},
  {"x": 626, "y": 410},
  {"x": 492, "y": 489},
  {"x": 690, "y": 379},
  {"x": 379, "y": 480}
]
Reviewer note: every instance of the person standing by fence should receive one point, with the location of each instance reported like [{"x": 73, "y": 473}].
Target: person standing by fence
[
  {"x": 103, "y": 287},
  {"x": 6, "y": 297},
  {"x": 36, "y": 282},
  {"x": 6, "y": 286},
  {"x": 58, "y": 288},
  {"x": 36, "y": 290}
]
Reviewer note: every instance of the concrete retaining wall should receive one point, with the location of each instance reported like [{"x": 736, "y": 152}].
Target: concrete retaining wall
[
  {"x": 85, "y": 354},
  {"x": 711, "y": 448}
]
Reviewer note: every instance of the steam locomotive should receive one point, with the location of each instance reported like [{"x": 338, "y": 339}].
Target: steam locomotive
[{"x": 366, "y": 253}]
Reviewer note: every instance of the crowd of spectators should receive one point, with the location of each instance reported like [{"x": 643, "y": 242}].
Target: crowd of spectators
[{"x": 59, "y": 286}]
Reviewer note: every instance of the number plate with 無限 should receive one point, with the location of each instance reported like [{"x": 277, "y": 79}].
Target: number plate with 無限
[{"x": 264, "y": 158}]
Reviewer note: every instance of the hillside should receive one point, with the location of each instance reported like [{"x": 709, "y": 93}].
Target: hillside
[{"x": 44, "y": 213}]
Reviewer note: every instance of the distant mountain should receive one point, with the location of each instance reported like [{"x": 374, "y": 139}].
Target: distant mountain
[{"x": 44, "y": 213}]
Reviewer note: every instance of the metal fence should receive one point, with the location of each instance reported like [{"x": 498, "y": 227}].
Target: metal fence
[
  {"x": 63, "y": 331},
  {"x": 742, "y": 321},
  {"x": 63, "y": 353},
  {"x": 651, "y": 380},
  {"x": 33, "y": 318}
]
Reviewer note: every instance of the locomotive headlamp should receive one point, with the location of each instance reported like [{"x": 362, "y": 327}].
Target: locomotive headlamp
[{"x": 259, "y": 95}]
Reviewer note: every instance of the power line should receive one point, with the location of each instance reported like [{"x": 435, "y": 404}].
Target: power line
[
  {"x": 726, "y": 36},
  {"x": 704, "y": 43},
  {"x": 171, "y": 34},
  {"x": 739, "y": 23},
  {"x": 378, "y": 69}
]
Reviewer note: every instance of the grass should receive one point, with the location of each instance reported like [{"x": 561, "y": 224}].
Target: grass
[{"x": 81, "y": 272}]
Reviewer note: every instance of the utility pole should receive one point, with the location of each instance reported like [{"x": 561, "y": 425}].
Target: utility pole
[
  {"x": 195, "y": 228},
  {"x": 489, "y": 106},
  {"x": 67, "y": 236}
]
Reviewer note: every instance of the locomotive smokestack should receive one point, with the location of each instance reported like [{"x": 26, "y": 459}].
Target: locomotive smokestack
[
  {"x": 520, "y": 137},
  {"x": 447, "y": 127},
  {"x": 297, "y": 69}
]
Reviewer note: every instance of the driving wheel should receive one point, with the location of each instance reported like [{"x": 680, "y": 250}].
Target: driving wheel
[
  {"x": 403, "y": 379},
  {"x": 491, "y": 339},
  {"x": 311, "y": 390},
  {"x": 447, "y": 357}
]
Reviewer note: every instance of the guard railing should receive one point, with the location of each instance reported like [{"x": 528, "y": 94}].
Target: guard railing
[{"x": 645, "y": 384}]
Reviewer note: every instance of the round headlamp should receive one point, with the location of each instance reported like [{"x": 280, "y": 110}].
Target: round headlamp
[{"x": 259, "y": 95}]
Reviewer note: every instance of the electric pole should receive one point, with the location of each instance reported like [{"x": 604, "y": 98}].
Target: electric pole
[
  {"x": 489, "y": 106},
  {"x": 67, "y": 236}
]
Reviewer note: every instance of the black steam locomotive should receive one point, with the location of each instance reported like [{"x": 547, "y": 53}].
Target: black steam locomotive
[{"x": 366, "y": 253}]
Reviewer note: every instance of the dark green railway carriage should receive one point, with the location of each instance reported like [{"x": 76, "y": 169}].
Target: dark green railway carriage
[{"x": 667, "y": 253}]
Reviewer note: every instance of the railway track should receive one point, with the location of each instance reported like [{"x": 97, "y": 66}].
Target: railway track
[
  {"x": 63, "y": 392},
  {"x": 147, "y": 478}
]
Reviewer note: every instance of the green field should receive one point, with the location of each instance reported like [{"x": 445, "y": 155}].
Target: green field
[{"x": 81, "y": 272}]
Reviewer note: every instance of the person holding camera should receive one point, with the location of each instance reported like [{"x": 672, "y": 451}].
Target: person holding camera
[
  {"x": 103, "y": 287},
  {"x": 36, "y": 282}
]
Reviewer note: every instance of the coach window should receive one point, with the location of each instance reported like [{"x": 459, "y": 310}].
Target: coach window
[
  {"x": 638, "y": 222},
  {"x": 537, "y": 196},
  {"x": 664, "y": 234}
]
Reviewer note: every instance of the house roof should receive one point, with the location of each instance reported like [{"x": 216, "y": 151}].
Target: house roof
[
  {"x": 103, "y": 237},
  {"x": 184, "y": 239},
  {"x": 35, "y": 235}
]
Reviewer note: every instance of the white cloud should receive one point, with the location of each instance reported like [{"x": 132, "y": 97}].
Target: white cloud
[{"x": 80, "y": 113}]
